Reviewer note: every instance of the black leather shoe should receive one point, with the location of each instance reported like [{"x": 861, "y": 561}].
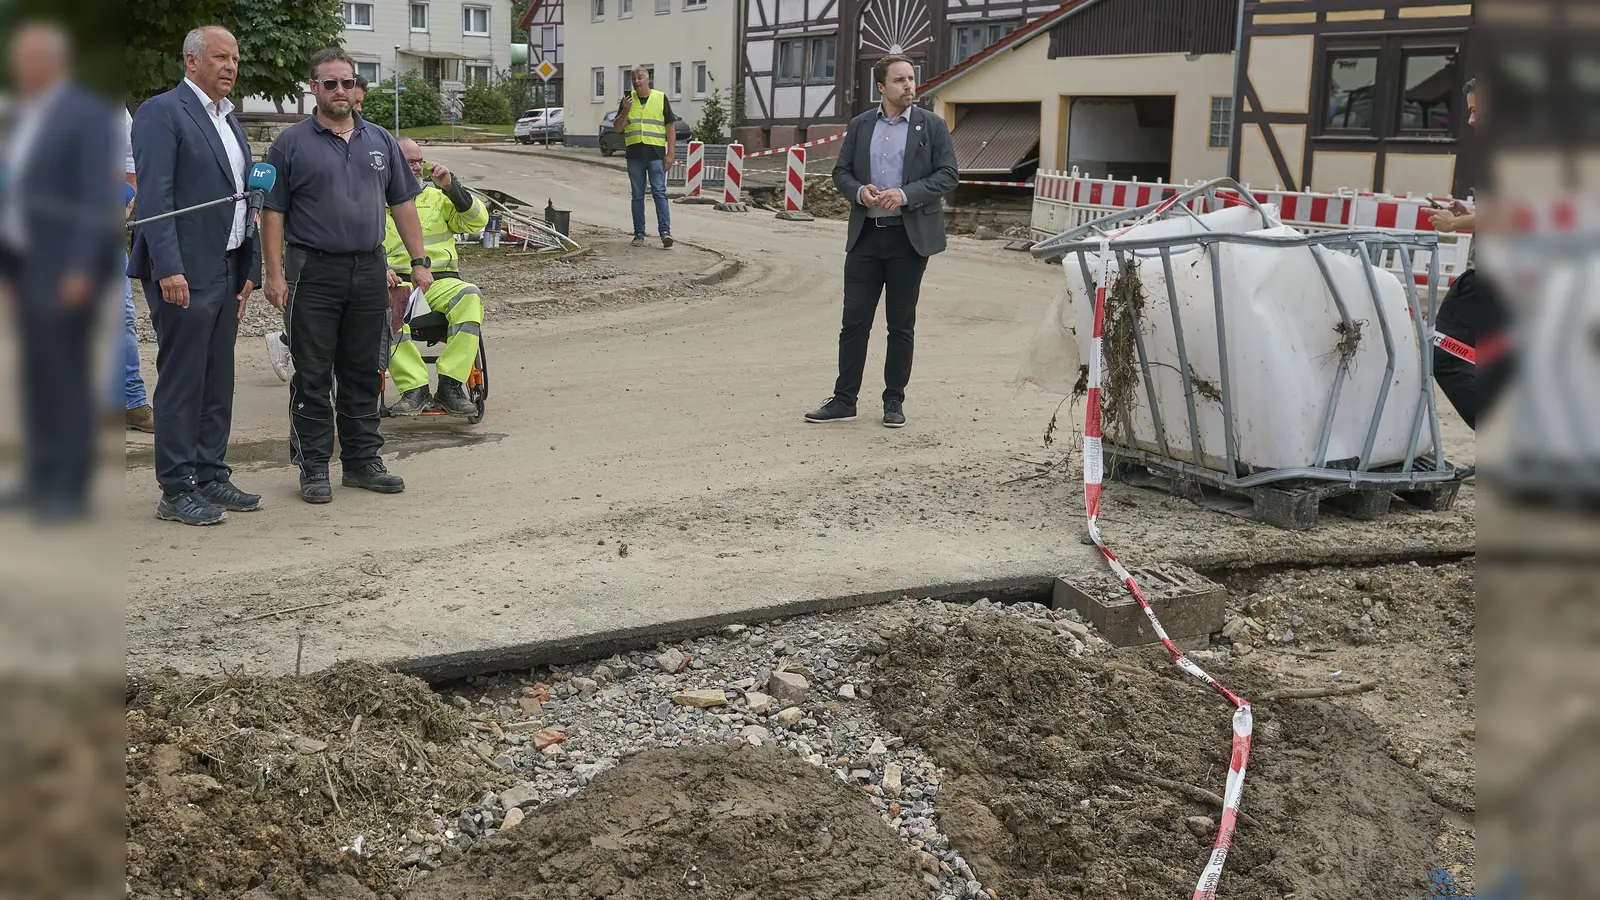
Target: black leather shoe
[
  {"x": 452, "y": 398},
  {"x": 835, "y": 410},
  {"x": 374, "y": 477},
  {"x": 412, "y": 402},
  {"x": 314, "y": 488},
  {"x": 222, "y": 493},
  {"x": 894, "y": 414},
  {"x": 190, "y": 508}
]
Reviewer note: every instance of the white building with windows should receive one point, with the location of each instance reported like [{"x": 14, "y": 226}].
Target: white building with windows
[{"x": 689, "y": 46}]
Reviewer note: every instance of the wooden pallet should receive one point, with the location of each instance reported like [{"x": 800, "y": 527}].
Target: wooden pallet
[{"x": 1295, "y": 505}]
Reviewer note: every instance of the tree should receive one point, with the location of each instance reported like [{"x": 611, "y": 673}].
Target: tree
[
  {"x": 152, "y": 35},
  {"x": 277, "y": 39},
  {"x": 713, "y": 118},
  {"x": 518, "y": 7},
  {"x": 485, "y": 103},
  {"x": 420, "y": 103},
  {"x": 736, "y": 115}
]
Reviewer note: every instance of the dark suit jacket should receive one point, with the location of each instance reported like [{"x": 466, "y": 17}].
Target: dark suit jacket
[
  {"x": 181, "y": 162},
  {"x": 930, "y": 175},
  {"x": 69, "y": 196}
]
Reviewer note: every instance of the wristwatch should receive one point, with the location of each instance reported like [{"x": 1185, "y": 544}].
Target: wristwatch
[{"x": 422, "y": 261}]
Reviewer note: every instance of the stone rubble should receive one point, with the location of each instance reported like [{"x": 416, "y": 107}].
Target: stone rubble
[{"x": 799, "y": 685}]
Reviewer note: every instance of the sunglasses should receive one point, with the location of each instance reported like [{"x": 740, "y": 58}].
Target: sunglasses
[{"x": 333, "y": 84}]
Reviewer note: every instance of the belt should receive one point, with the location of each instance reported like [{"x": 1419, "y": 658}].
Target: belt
[
  {"x": 334, "y": 254},
  {"x": 887, "y": 221}
]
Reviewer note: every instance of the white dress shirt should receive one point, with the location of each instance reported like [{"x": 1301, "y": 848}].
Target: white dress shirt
[
  {"x": 127, "y": 134},
  {"x": 219, "y": 112},
  {"x": 24, "y": 134}
]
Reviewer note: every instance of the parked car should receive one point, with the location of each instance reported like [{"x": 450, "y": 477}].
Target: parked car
[
  {"x": 540, "y": 124},
  {"x": 611, "y": 141}
]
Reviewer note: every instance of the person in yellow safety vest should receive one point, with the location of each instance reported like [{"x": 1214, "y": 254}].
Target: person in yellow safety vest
[
  {"x": 446, "y": 209},
  {"x": 649, "y": 132}
]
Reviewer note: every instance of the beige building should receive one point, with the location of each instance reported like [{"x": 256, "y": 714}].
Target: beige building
[
  {"x": 689, "y": 46},
  {"x": 1089, "y": 86}
]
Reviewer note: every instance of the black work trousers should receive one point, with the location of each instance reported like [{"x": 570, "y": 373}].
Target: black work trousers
[
  {"x": 337, "y": 321},
  {"x": 1470, "y": 311},
  {"x": 882, "y": 263}
]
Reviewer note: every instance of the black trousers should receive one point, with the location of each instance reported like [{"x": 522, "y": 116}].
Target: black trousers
[
  {"x": 57, "y": 400},
  {"x": 194, "y": 378},
  {"x": 1471, "y": 310},
  {"x": 337, "y": 319},
  {"x": 882, "y": 262}
]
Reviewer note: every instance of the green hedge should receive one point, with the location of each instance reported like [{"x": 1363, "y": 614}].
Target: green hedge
[{"x": 420, "y": 103}]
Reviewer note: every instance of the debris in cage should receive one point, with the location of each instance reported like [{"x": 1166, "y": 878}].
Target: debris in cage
[
  {"x": 1120, "y": 354},
  {"x": 1349, "y": 339},
  {"x": 1204, "y": 387}
]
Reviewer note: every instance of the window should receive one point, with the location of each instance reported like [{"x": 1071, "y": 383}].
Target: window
[
  {"x": 475, "y": 20},
  {"x": 1221, "y": 123},
  {"x": 597, "y": 10},
  {"x": 694, "y": 4},
  {"x": 820, "y": 60},
  {"x": 1352, "y": 90},
  {"x": 371, "y": 71},
  {"x": 967, "y": 40},
  {"x": 472, "y": 73},
  {"x": 419, "y": 17},
  {"x": 1428, "y": 92},
  {"x": 548, "y": 41},
  {"x": 624, "y": 9},
  {"x": 663, "y": 7},
  {"x": 805, "y": 61},
  {"x": 358, "y": 15},
  {"x": 675, "y": 86},
  {"x": 597, "y": 80},
  {"x": 874, "y": 95},
  {"x": 701, "y": 76}
]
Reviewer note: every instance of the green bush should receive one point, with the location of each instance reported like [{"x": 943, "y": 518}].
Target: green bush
[
  {"x": 420, "y": 103},
  {"x": 713, "y": 120},
  {"x": 485, "y": 103}
]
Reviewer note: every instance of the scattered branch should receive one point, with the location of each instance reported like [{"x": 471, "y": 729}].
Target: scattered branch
[
  {"x": 1313, "y": 693},
  {"x": 279, "y": 612},
  {"x": 1198, "y": 794}
]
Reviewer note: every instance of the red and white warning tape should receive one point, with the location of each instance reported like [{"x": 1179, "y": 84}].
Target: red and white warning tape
[
  {"x": 776, "y": 150},
  {"x": 1093, "y": 475},
  {"x": 1021, "y": 184}
]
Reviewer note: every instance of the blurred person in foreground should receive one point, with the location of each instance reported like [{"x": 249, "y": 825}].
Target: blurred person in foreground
[
  {"x": 278, "y": 341},
  {"x": 59, "y": 250},
  {"x": 1472, "y": 314},
  {"x": 198, "y": 269}
]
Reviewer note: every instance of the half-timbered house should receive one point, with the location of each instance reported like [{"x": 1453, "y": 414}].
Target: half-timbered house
[{"x": 546, "y": 41}]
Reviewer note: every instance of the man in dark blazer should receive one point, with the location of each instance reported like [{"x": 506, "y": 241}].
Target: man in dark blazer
[
  {"x": 896, "y": 164},
  {"x": 198, "y": 271},
  {"x": 59, "y": 251}
]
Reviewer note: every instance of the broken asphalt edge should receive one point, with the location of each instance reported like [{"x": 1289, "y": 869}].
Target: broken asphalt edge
[{"x": 602, "y": 643}]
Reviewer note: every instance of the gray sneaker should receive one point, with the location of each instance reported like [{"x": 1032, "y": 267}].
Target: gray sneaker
[
  {"x": 666, "y": 242},
  {"x": 638, "y": 240}
]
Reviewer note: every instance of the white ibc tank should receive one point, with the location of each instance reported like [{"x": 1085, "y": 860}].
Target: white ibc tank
[{"x": 1283, "y": 349}]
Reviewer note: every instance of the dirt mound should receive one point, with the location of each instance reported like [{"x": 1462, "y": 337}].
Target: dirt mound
[
  {"x": 823, "y": 199},
  {"x": 1071, "y": 777},
  {"x": 244, "y": 782},
  {"x": 708, "y": 822}
]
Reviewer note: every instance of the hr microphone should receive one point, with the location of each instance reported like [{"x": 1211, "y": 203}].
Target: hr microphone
[{"x": 262, "y": 177}]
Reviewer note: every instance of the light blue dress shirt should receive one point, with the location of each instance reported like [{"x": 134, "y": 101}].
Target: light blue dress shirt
[{"x": 888, "y": 156}]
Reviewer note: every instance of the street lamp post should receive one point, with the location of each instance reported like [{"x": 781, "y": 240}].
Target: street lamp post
[{"x": 397, "y": 90}]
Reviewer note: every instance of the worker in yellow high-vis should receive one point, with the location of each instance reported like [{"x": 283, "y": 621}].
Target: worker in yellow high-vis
[
  {"x": 649, "y": 133},
  {"x": 446, "y": 209}
]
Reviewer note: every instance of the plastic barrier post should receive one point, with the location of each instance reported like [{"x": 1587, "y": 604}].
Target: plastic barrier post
[
  {"x": 733, "y": 181},
  {"x": 794, "y": 187},
  {"x": 697, "y": 169}
]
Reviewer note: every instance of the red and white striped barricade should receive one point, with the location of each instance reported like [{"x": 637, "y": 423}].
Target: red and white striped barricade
[
  {"x": 733, "y": 181},
  {"x": 696, "y": 175},
  {"x": 794, "y": 187}
]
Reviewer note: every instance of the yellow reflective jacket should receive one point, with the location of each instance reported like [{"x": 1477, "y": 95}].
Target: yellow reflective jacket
[
  {"x": 441, "y": 222},
  {"x": 647, "y": 121}
]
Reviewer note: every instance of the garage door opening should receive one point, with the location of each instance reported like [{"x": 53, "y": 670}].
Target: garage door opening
[
  {"x": 1121, "y": 137},
  {"x": 995, "y": 140}
]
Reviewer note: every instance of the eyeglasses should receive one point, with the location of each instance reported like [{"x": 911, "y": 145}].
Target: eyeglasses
[{"x": 333, "y": 84}]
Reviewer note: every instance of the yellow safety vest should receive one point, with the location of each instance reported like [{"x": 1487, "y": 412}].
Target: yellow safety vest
[
  {"x": 647, "y": 124},
  {"x": 441, "y": 222}
]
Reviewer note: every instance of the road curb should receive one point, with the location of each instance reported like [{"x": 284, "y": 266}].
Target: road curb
[
  {"x": 726, "y": 268},
  {"x": 597, "y": 163}
]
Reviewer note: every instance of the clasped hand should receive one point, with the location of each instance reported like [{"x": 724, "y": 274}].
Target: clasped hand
[{"x": 892, "y": 199}]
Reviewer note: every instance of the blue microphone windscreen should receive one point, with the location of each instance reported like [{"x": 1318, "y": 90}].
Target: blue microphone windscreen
[
  {"x": 263, "y": 176},
  {"x": 127, "y": 193}
]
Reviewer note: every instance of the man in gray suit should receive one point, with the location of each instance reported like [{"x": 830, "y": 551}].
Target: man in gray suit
[{"x": 896, "y": 164}]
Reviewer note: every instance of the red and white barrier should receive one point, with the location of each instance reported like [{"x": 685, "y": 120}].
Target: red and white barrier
[
  {"x": 776, "y": 150},
  {"x": 794, "y": 188},
  {"x": 733, "y": 180},
  {"x": 696, "y": 174},
  {"x": 1016, "y": 184}
]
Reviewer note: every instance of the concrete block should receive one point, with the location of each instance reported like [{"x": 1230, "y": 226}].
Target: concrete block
[
  {"x": 1189, "y": 605},
  {"x": 784, "y": 135},
  {"x": 752, "y": 137}
]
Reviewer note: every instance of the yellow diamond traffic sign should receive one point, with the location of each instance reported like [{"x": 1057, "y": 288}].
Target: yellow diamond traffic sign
[{"x": 545, "y": 69}]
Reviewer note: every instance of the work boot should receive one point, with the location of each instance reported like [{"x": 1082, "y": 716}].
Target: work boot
[
  {"x": 190, "y": 508},
  {"x": 638, "y": 240},
  {"x": 894, "y": 414},
  {"x": 314, "y": 487},
  {"x": 222, "y": 493},
  {"x": 374, "y": 477},
  {"x": 666, "y": 242},
  {"x": 452, "y": 398},
  {"x": 142, "y": 418},
  {"x": 835, "y": 410},
  {"x": 278, "y": 354},
  {"x": 412, "y": 402}
]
